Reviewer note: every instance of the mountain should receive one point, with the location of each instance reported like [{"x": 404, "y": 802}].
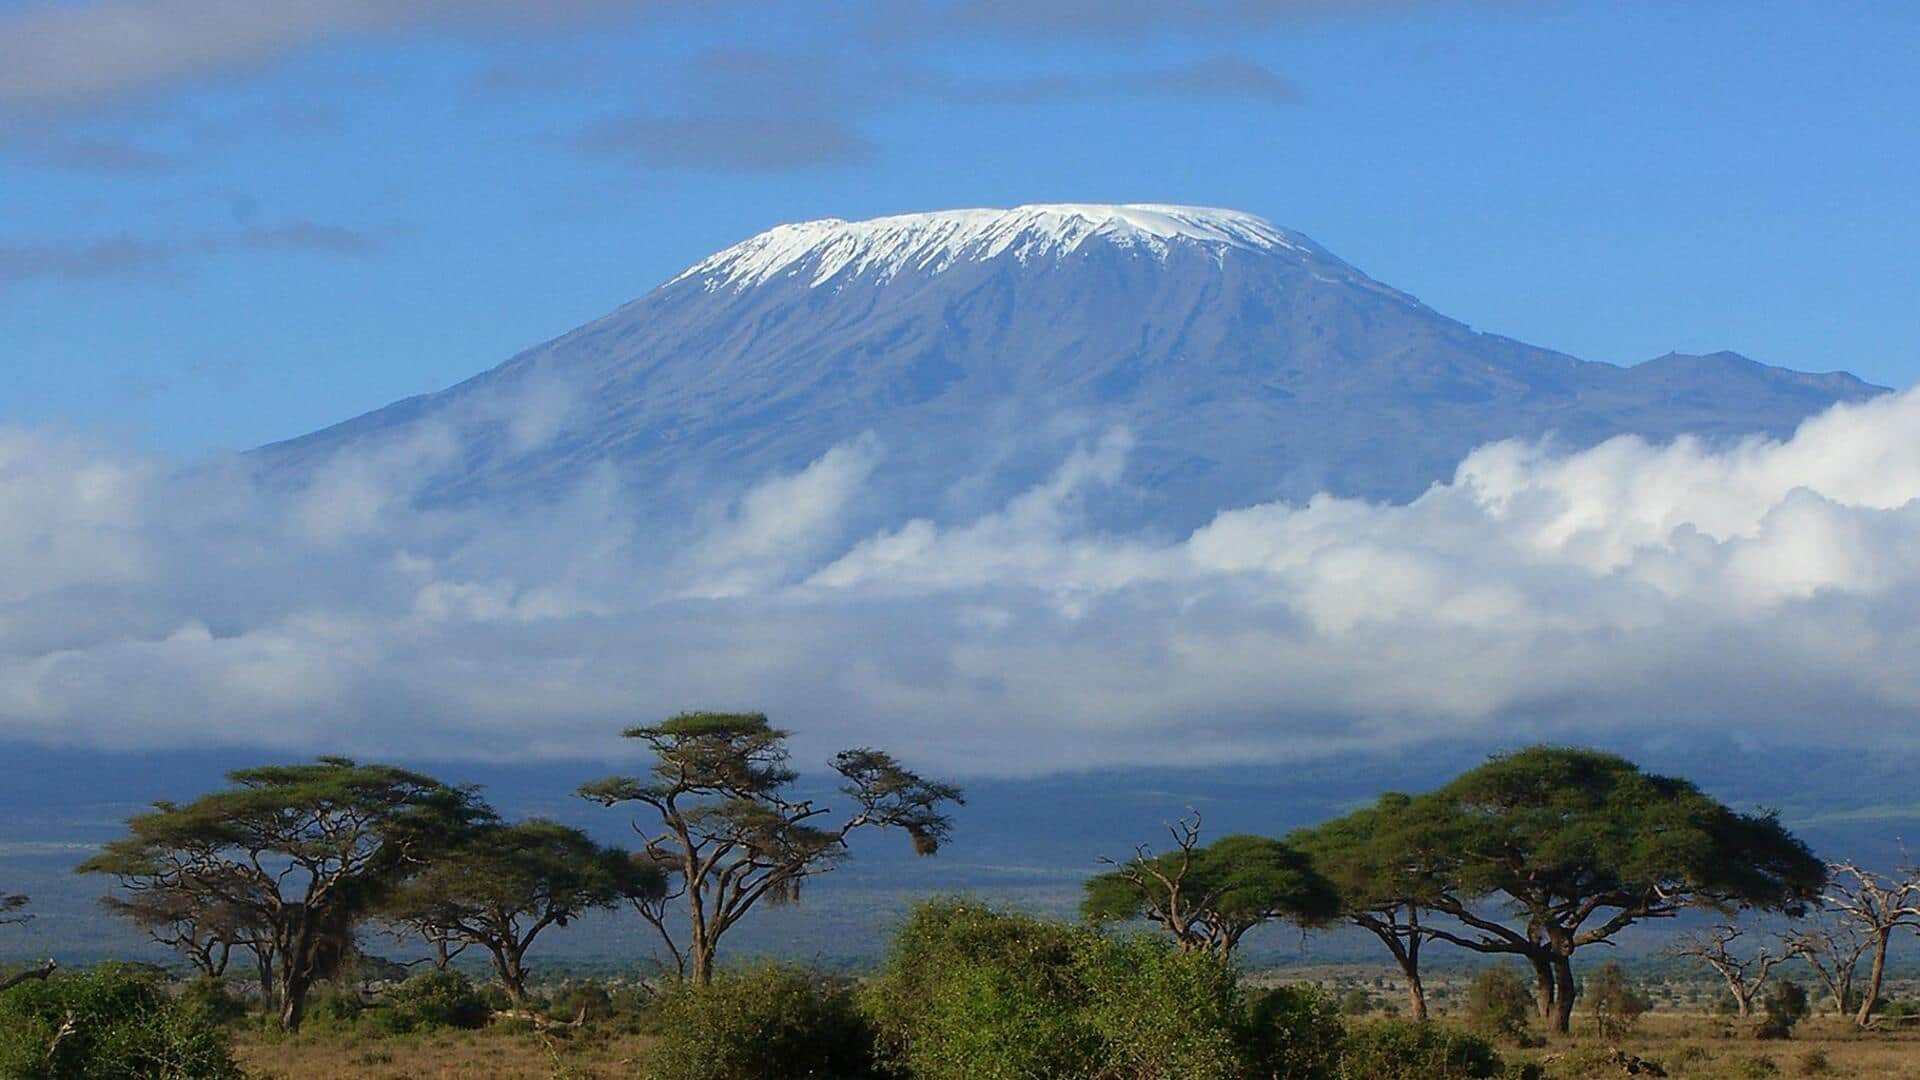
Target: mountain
[{"x": 978, "y": 346}]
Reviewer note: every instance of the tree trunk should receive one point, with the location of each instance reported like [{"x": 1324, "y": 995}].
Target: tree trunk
[
  {"x": 293, "y": 1001},
  {"x": 513, "y": 977},
  {"x": 1416, "y": 990},
  {"x": 700, "y": 962},
  {"x": 1874, "y": 974},
  {"x": 1564, "y": 993},
  {"x": 1543, "y": 986},
  {"x": 263, "y": 966},
  {"x": 1742, "y": 1003}
]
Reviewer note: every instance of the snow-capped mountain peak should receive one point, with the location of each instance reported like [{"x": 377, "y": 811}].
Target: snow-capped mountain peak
[{"x": 884, "y": 247}]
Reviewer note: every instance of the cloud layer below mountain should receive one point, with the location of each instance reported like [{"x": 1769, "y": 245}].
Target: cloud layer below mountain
[{"x": 1764, "y": 589}]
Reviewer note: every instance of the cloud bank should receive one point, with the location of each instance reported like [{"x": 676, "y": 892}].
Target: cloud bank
[{"x": 1764, "y": 589}]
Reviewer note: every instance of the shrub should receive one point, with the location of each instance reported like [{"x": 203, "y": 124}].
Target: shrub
[
  {"x": 211, "y": 997},
  {"x": 1499, "y": 1005},
  {"x": 1613, "y": 1002},
  {"x": 111, "y": 1023},
  {"x": 1158, "y": 1012},
  {"x": 581, "y": 1000},
  {"x": 771, "y": 1022},
  {"x": 972, "y": 992},
  {"x": 1784, "y": 1006},
  {"x": 1356, "y": 1002},
  {"x": 436, "y": 999},
  {"x": 1295, "y": 1032},
  {"x": 1815, "y": 1063},
  {"x": 333, "y": 1006},
  {"x": 1401, "y": 1050}
]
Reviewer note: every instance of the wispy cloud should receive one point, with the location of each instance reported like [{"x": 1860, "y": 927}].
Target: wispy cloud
[
  {"x": 66, "y": 55},
  {"x": 124, "y": 257},
  {"x": 1109, "y": 19},
  {"x": 749, "y": 110},
  {"x": 729, "y": 143}
]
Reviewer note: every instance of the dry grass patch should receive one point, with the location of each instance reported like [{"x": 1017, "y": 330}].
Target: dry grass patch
[{"x": 498, "y": 1054}]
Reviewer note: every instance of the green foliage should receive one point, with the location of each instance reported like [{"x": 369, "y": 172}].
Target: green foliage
[
  {"x": 333, "y": 1006},
  {"x": 1158, "y": 1012},
  {"x": 1375, "y": 857},
  {"x": 1401, "y": 1050},
  {"x": 972, "y": 992},
  {"x": 504, "y": 884},
  {"x": 1499, "y": 1004},
  {"x": 770, "y": 1023},
  {"x": 1615, "y": 1004},
  {"x": 437, "y": 999},
  {"x": 111, "y": 1023},
  {"x": 1295, "y": 1032},
  {"x": 1577, "y": 824},
  {"x": 733, "y": 834},
  {"x": 211, "y": 997},
  {"x": 1357, "y": 1002},
  {"x": 1210, "y": 896},
  {"x": 297, "y": 854},
  {"x": 581, "y": 1000},
  {"x": 1784, "y": 1006}
]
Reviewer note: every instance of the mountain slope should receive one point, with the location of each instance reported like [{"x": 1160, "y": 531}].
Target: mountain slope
[{"x": 1248, "y": 363}]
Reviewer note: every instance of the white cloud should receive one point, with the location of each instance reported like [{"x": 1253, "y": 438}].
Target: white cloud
[
  {"x": 67, "y": 54},
  {"x": 1765, "y": 588}
]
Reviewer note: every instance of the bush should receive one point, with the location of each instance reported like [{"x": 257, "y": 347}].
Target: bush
[
  {"x": 111, "y": 1023},
  {"x": 1295, "y": 1032},
  {"x": 436, "y": 999},
  {"x": 332, "y": 1007},
  {"x": 1356, "y": 1002},
  {"x": 211, "y": 997},
  {"x": 972, "y": 992},
  {"x": 1499, "y": 1005},
  {"x": 772, "y": 1022},
  {"x": 1613, "y": 1002},
  {"x": 581, "y": 1000},
  {"x": 1815, "y": 1063},
  {"x": 1784, "y": 1006},
  {"x": 1158, "y": 1012},
  {"x": 1401, "y": 1050}
]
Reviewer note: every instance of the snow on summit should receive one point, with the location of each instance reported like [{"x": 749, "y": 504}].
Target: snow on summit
[{"x": 930, "y": 242}]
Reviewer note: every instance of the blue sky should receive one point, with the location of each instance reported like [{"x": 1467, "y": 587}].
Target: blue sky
[{"x": 233, "y": 223}]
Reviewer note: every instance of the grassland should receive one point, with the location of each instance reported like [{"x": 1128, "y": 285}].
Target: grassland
[{"x": 1688, "y": 1046}]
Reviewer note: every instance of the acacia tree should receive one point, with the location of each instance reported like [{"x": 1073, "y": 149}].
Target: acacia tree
[
  {"x": 732, "y": 832},
  {"x": 1385, "y": 879},
  {"x": 196, "y": 919},
  {"x": 1578, "y": 845},
  {"x": 1745, "y": 973},
  {"x": 305, "y": 851},
  {"x": 1209, "y": 897},
  {"x": 506, "y": 884}
]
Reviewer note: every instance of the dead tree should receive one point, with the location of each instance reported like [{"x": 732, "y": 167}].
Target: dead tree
[
  {"x": 1875, "y": 906},
  {"x": 1745, "y": 974}
]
